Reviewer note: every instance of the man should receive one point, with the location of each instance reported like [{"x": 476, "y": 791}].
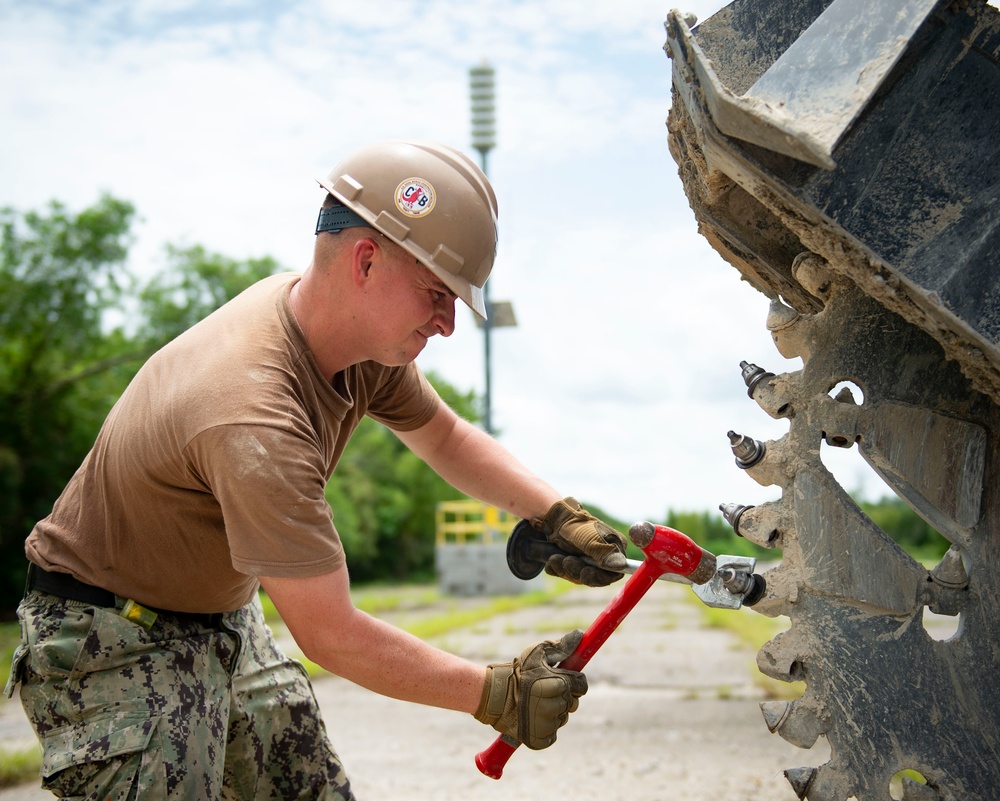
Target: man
[{"x": 146, "y": 667}]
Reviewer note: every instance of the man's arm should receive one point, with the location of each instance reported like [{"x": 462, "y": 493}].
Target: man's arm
[
  {"x": 473, "y": 462},
  {"x": 333, "y": 633},
  {"x": 528, "y": 699}
]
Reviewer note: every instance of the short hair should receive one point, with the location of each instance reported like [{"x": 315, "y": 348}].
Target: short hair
[{"x": 329, "y": 243}]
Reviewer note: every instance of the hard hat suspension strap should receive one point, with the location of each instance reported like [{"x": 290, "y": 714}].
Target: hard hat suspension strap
[{"x": 337, "y": 218}]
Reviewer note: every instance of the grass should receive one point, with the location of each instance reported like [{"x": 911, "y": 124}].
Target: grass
[
  {"x": 376, "y": 599},
  {"x": 407, "y": 603},
  {"x": 896, "y": 782},
  {"x": 17, "y": 765},
  {"x": 436, "y": 625},
  {"x": 20, "y": 765},
  {"x": 751, "y": 628},
  {"x": 754, "y": 630},
  {"x": 10, "y": 638},
  {"x": 454, "y": 614}
]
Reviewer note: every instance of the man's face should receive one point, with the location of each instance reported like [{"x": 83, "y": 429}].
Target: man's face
[{"x": 412, "y": 305}]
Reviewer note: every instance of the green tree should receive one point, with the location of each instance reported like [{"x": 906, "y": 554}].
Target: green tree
[
  {"x": 192, "y": 285},
  {"x": 711, "y": 531},
  {"x": 69, "y": 298},
  {"x": 892, "y": 515},
  {"x": 59, "y": 274},
  {"x": 384, "y": 499},
  {"x": 897, "y": 519}
]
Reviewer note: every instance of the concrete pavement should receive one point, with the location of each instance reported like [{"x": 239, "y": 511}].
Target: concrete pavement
[{"x": 672, "y": 712}]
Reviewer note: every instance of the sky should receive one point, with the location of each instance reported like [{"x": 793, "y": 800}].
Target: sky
[{"x": 622, "y": 376}]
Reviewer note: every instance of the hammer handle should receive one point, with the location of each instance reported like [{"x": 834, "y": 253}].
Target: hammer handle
[{"x": 491, "y": 761}]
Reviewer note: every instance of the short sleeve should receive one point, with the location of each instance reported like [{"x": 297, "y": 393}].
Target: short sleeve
[
  {"x": 271, "y": 494},
  {"x": 405, "y": 401}
]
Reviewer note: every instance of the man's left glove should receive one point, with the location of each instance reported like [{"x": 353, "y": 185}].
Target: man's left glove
[
  {"x": 529, "y": 699},
  {"x": 575, "y": 530}
]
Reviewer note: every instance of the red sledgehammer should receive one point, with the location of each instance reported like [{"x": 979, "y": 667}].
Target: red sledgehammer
[{"x": 667, "y": 551}]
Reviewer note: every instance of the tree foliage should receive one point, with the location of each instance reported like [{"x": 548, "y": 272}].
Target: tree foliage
[
  {"x": 384, "y": 499},
  {"x": 897, "y": 519},
  {"x": 66, "y": 351},
  {"x": 711, "y": 531},
  {"x": 59, "y": 274},
  {"x": 193, "y": 284},
  {"x": 77, "y": 322},
  {"x": 893, "y": 516}
]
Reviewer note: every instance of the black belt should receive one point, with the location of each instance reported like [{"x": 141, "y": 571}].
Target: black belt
[{"x": 66, "y": 586}]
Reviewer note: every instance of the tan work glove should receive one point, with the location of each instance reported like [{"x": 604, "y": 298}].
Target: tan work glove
[
  {"x": 575, "y": 530},
  {"x": 529, "y": 699}
]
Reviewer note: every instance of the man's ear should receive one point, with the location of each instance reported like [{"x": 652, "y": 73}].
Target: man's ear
[{"x": 363, "y": 256}]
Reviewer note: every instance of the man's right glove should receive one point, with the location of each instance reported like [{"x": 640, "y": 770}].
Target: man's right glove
[
  {"x": 575, "y": 530},
  {"x": 529, "y": 699}
]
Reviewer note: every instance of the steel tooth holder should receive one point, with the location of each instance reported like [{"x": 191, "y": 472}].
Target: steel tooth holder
[
  {"x": 746, "y": 450},
  {"x": 753, "y": 375}
]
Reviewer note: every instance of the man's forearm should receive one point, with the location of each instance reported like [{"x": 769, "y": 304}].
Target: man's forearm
[
  {"x": 336, "y": 635},
  {"x": 473, "y": 462},
  {"x": 391, "y": 662},
  {"x": 488, "y": 472}
]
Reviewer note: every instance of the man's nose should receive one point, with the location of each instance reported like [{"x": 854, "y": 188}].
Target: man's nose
[{"x": 444, "y": 315}]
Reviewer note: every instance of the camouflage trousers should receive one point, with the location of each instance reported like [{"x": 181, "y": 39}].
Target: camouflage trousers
[{"x": 183, "y": 710}]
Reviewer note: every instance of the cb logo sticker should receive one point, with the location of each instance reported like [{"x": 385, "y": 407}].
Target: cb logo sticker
[{"x": 415, "y": 197}]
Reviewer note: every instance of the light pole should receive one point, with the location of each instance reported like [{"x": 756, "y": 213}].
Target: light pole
[{"x": 481, "y": 91}]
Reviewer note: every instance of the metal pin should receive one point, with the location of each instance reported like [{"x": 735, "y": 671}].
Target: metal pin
[
  {"x": 753, "y": 375},
  {"x": 732, "y": 512},
  {"x": 748, "y": 586},
  {"x": 746, "y": 450}
]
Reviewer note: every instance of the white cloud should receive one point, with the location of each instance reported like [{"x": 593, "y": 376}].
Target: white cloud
[{"x": 622, "y": 377}]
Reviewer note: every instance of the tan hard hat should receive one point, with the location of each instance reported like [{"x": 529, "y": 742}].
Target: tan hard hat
[{"x": 430, "y": 199}]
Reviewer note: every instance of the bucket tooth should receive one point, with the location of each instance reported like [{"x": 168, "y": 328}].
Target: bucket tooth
[
  {"x": 795, "y": 722},
  {"x": 774, "y": 713},
  {"x": 800, "y": 779},
  {"x": 950, "y": 571}
]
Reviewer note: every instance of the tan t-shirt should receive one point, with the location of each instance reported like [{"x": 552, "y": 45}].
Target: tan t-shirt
[{"x": 210, "y": 469}]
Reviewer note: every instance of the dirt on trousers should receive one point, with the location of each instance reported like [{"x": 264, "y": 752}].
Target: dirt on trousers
[{"x": 671, "y": 713}]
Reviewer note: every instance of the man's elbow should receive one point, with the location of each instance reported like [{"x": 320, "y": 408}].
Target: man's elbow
[{"x": 324, "y": 643}]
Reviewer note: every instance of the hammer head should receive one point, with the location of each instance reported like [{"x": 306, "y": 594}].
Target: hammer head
[{"x": 676, "y": 552}]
